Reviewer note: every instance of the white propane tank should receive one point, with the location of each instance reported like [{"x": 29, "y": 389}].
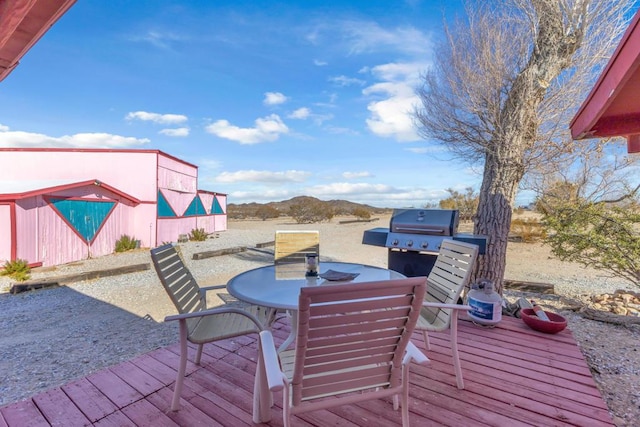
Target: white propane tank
[{"x": 486, "y": 304}]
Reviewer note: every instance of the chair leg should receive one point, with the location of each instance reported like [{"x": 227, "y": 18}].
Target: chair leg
[
  {"x": 262, "y": 396},
  {"x": 454, "y": 351},
  {"x": 427, "y": 344},
  {"x": 286, "y": 408},
  {"x": 405, "y": 396},
  {"x": 199, "y": 354},
  {"x": 177, "y": 390}
]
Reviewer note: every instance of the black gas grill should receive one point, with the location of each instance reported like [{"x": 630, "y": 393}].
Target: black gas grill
[{"x": 414, "y": 236}]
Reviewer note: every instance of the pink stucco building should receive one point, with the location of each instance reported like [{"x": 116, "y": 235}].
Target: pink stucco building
[{"x": 64, "y": 205}]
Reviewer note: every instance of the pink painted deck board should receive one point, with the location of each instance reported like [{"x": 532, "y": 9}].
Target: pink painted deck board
[
  {"x": 59, "y": 409},
  {"x": 513, "y": 376},
  {"x": 118, "y": 391},
  {"x": 137, "y": 378},
  {"x": 89, "y": 399}
]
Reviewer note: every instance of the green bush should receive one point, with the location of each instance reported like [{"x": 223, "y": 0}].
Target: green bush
[
  {"x": 18, "y": 270},
  {"x": 596, "y": 235},
  {"x": 198, "y": 235},
  {"x": 126, "y": 243}
]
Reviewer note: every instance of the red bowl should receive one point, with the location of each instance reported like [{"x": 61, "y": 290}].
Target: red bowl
[{"x": 556, "y": 324}]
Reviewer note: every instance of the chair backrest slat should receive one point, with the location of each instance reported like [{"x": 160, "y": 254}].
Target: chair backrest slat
[
  {"x": 291, "y": 246},
  {"x": 353, "y": 337},
  {"x": 177, "y": 280},
  {"x": 448, "y": 277}
]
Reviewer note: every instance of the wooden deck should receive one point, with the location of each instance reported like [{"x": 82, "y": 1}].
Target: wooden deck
[{"x": 513, "y": 376}]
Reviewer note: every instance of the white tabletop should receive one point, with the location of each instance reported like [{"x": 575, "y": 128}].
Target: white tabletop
[{"x": 279, "y": 286}]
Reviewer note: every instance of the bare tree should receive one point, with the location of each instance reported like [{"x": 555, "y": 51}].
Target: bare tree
[
  {"x": 602, "y": 173},
  {"x": 504, "y": 85}
]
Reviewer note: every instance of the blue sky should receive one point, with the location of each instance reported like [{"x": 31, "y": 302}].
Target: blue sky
[{"x": 270, "y": 99}]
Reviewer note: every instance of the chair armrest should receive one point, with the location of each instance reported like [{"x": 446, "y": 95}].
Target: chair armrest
[
  {"x": 443, "y": 305},
  {"x": 215, "y": 311},
  {"x": 275, "y": 377},
  {"x": 209, "y": 288},
  {"x": 203, "y": 291},
  {"x": 414, "y": 354}
]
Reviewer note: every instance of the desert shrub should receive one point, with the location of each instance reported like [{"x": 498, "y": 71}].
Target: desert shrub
[
  {"x": 528, "y": 230},
  {"x": 198, "y": 235},
  {"x": 466, "y": 203},
  {"x": 18, "y": 270},
  {"x": 361, "y": 213},
  {"x": 596, "y": 235},
  {"x": 265, "y": 212},
  {"x": 236, "y": 212},
  {"x": 126, "y": 243},
  {"x": 311, "y": 211}
]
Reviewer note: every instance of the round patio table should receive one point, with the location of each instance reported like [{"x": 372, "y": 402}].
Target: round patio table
[{"x": 278, "y": 286}]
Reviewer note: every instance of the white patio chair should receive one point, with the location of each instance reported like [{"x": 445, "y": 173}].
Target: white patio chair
[
  {"x": 353, "y": 344},
  {"x": 450, "y": 274},
  {"x": 199, "y": 324}
]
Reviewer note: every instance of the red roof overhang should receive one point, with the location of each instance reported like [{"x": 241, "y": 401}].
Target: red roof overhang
[
  {"x": 613, "y": 105},
  {"x": 22, "y": 23},
  {"x": 11, "y": 197}
]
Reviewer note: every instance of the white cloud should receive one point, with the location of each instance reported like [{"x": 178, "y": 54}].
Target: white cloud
[
  {"x": 274, "y": 98},
  {"x": 3, "y": 128},
  {"x": 393, "y": 115},
  {"x": 337, "y": 130},
  {"x": 418, "y": 150},
  {"x": 428, "y": 149},
  {"x": 300, "y": 113},
  {"x": 263, "y": 176},
  {"x": 347, "y": 81},
  {"x": 407, "y": 72},
  {"x": 165, "y": 119},
  {"x": 209, "y": 164},
  {"x": 159, "y": 39},
  {"x": 264, "y": 195},
  {"x": 365, "y": 37},
  {"x": 319, "y": 119},
  {"x": 266, "y": 129},
  {"x": 175, "y": 132},
  {"x": 79, "y": 140},
  {"x": 320, "y": 63},
  {"x": 347, "y": 188},
  {"x": 354, "y": 175}
]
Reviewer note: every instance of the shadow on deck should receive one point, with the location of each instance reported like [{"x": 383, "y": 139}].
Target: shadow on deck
[{"x": 513, "y": 376}]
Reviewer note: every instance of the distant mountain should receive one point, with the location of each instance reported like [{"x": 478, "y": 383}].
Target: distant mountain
[{"x": 340, "y": 207}]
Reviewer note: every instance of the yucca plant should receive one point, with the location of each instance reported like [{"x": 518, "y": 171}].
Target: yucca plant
[
  {"x": 18, "y": 270},
  {"x": 126, "y": 243},
  {"x": 198, "y": 235}
]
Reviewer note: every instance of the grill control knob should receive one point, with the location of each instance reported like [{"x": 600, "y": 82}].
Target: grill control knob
[
  {"x": 395, "y": 242},
  {"x": 409, "y": 243},
  {"x": 424, "y": 245}
]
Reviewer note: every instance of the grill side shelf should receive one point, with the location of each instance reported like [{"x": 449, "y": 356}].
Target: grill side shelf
[{"x": 375, "y": 237}]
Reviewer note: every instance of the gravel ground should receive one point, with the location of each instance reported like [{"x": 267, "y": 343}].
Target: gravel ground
[{"x": 49, "y": 337}]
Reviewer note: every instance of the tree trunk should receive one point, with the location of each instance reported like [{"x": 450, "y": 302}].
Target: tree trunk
[{"x": 493, "y": 218}]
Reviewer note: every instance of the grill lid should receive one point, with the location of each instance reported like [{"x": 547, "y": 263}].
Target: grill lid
[{"x": 436, "y": 222}]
